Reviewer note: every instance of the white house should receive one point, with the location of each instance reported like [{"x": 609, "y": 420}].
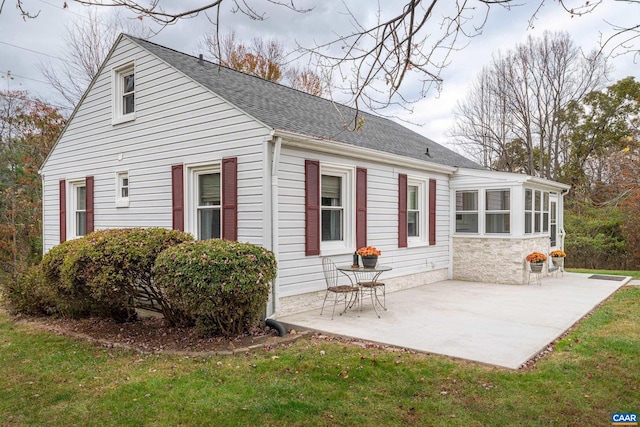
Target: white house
[{"x": 164, "y": 139}]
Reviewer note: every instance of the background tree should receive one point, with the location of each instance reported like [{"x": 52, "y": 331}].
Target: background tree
[
  {"x": 513, "y": 117},
  {"x": 263, "y": 58},
  {"x": 88, "y": 40},
  {"x": 601, "y": 162},
  {"x": 28, "y": 130},
  {"x": 377, "y": 57}
]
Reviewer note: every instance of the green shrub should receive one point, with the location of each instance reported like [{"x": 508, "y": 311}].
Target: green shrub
[
  {"x": 31, "y": 295},
  {"x": 222, "y": 285},
  {"x": 71, "y": 298},
  {"x": 116, "y": 267},
  {"x": 109, "y": 272}
]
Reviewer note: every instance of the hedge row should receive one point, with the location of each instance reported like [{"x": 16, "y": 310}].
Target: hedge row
[{"x": 222, "y": 287}]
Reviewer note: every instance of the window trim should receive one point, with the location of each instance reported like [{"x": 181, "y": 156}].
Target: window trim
[
  {"x": 122, "y": 201},
  {"x": 349, "y": 209},
  {"x": 72, "y": 203},
  {"x": 192, "y": 189},
  {"x": 422, "y": 186},
  {"x": 117, "y": 95}
]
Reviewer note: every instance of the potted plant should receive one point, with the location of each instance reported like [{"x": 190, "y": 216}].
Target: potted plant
[
  {"x": 537, "y": 260},
  {"x": 369, "y": 255},
  {"x": 557, "y": 257}
]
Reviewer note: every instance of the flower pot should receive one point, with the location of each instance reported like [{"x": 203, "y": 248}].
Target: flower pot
[
  {"x": 557, "y": 260},
  {"x": 536, "y": 267},
  {"x": 369, "y": 261}
]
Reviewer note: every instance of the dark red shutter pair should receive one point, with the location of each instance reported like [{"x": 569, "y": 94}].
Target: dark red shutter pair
[
  {"x": 402, "y": 211},
  {"x": 312, "y": 207},
  {"x": 229, "y": 198},
  {"x": 63, "y": 207}
]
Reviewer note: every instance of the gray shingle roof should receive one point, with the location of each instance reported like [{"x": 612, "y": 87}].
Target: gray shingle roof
[{"x": 283, "y": 108}]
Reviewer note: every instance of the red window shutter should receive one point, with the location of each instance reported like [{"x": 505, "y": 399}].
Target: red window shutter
[
  {"x": 312, "y": 207},
  {"x": 177, "y": 197},
  {"x": 88, "y": 182},
  {"x": 230, "y": 198},
  {"x": 361, "y": 207},
  {"x": 402, "y": 211},
  {"x": 432, "y": 211},
  {"x": 63, "y": 210}
]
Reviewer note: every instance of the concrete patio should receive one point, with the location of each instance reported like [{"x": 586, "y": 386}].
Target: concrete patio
[{"x": 502, "y": 325}]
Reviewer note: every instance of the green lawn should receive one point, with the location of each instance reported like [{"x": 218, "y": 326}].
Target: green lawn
[{"x": 53, "y": 380}]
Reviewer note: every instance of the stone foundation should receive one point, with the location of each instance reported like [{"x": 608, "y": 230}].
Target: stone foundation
[
  {"x": 495, "y": 260},
  {"x": 313, "y": 300}
]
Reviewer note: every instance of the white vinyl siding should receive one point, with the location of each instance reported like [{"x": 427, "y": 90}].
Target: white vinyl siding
[
  {"x": 299, "y": 273},
  {"x": 177, "y": 122}
]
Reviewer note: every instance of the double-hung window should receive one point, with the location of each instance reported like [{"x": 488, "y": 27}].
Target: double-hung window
[
  {"x": 332, "y": 207},
  {"x": 208, "y": 205},
  {"x": 466, "y": 211},
  {"x": 413, "y": 211},
  {"x": 79, "y": 209},
  {"x": 497, "y": 211},
  {"x": 124, "y": 94}
]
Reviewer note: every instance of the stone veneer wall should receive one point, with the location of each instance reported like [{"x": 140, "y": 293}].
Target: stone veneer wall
[
  {"x": 313, "y": 300},
  {"x": 495, "y": 260}
]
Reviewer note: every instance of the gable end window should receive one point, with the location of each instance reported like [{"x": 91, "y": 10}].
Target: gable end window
[{"x": 124, "y": 94}]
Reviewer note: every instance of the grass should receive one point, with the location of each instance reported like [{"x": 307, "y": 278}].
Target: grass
[
  {"x": 634, "y": 274},
  {"x": 56, "y": 381}
]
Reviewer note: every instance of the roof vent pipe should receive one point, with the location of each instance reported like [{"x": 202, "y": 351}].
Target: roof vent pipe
[
  {"x": 200, "y": 60},
  {"x": 427, "y": 152}
]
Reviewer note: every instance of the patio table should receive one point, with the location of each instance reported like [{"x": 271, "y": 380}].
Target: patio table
[{"x": 368, "y": 276}]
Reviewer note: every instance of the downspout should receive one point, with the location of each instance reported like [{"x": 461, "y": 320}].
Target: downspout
[
  {"x": 42, "y": 210},
  {"x": 275, "y": 240},
  {"x": 562, "y": 232}
]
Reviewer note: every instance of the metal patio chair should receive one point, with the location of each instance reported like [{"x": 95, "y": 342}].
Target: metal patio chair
[{"x": 348, "y": 293}]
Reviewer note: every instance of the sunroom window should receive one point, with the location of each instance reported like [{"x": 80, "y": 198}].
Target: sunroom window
[
  {"x": 466, "y": 211},
  {"x": 497, "y": 211}
]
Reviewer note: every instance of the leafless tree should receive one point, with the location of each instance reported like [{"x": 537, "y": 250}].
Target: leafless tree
[
  {"x": 512, "y": 118},
  {"x": 378, "y": 62},
  {"x": 88, "y": 40}
]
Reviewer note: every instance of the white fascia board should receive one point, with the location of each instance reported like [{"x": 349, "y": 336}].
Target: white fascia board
[
  {"x": 306, "y": 142},
  {"x": 510, "y": 177}
]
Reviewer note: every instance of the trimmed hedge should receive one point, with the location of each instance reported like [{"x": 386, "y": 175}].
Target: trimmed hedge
[
  {"x": 222, "y": 285},
  {"x": 70, "y": 298},
  {"x": 109, "y": 272}
]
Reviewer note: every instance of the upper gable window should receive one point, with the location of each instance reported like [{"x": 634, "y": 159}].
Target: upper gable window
[{"x": 124, "y": 94}]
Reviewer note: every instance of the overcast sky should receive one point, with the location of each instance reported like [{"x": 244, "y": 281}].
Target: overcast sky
[{"x": 26, "y": 43}]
